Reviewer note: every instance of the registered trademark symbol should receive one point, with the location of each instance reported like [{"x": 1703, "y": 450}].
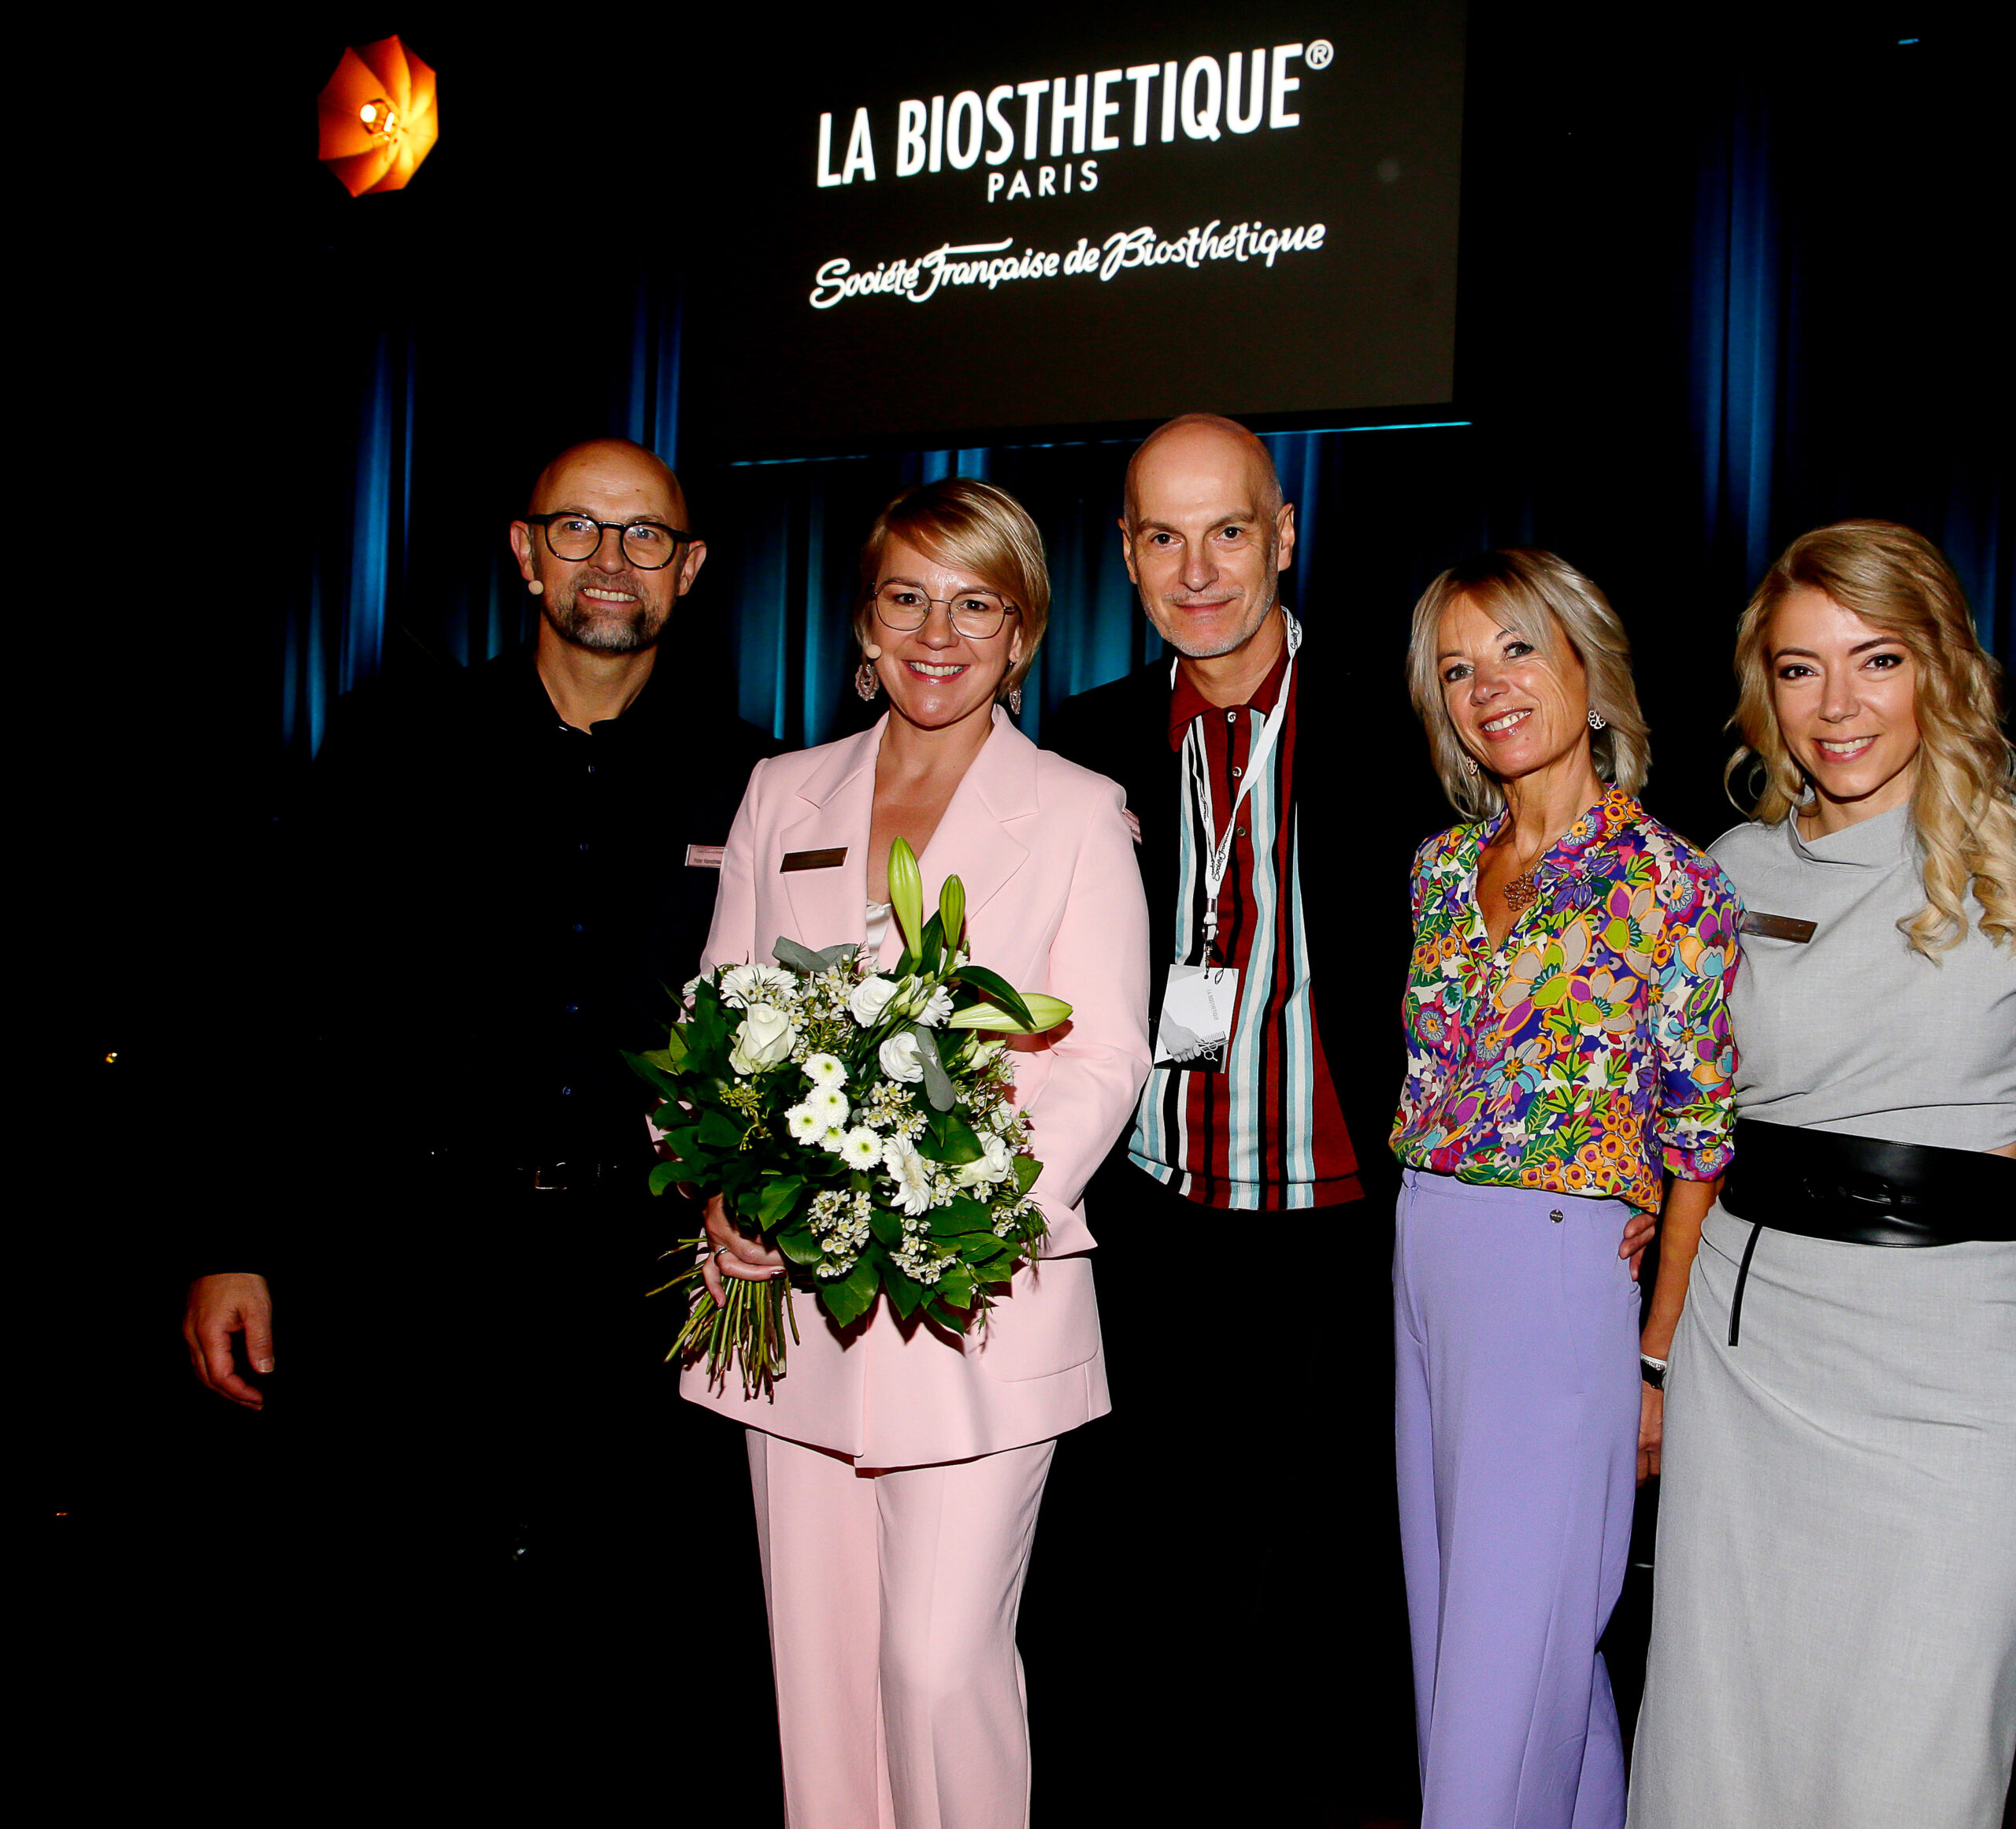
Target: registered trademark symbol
[{"x": 1319, "y": 54}]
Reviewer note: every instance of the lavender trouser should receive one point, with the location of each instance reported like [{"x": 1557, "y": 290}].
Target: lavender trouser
[{"x": 1516, "y": 1327}]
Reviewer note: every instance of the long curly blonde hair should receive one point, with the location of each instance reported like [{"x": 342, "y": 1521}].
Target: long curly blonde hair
[{"x": 1898, "y": 581}]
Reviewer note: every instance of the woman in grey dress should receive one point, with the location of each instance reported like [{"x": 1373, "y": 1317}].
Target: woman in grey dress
[{"x": 1834, "y": 1611}]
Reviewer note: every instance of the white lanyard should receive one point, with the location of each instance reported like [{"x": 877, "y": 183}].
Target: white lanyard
[{"x": 1218, "y": 860}]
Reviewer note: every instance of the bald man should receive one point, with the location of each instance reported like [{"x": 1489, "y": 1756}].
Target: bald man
[
  {"x": 1276, "y": 824},
  {"x": 433, "y": 1279}
]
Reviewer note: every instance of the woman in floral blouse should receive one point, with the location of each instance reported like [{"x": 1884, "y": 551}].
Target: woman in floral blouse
[{"x": 1568, "y": 1052}]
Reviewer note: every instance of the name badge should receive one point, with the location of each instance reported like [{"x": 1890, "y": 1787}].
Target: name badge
[
  {"x": 815, "y": 860},
  {"x": 1196, "y": 1029},
  {"x": 704, "y": 857},
  {"x": 1776, "y": 927}
]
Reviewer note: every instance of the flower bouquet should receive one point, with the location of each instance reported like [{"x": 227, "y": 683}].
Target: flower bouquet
[{"x": 859, "y": 1123}]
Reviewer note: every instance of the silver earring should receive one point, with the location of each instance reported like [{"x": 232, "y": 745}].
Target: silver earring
[
  {"x": 866, "y": 682},
  {"x": 1597, "y": 720},
  {"x": 1015, "y": 701},
  {"x": 1470, "y": 764}
]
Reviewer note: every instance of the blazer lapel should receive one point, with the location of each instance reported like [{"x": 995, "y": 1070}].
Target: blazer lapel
[
  {"x": 977, "y": 840},
  {"x": 828, "y": 906}
]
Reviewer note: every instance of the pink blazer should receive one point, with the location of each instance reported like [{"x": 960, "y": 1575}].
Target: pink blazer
[{"x": 1054, "y": 902}]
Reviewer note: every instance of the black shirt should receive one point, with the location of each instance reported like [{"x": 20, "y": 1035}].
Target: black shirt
[{"x": 479, "y": 906}]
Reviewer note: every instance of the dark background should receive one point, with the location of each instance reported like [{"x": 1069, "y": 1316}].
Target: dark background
[{"x": 1725, "y": 275}]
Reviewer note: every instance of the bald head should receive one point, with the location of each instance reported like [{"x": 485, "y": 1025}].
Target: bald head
[
  {"x": 1207, "y": 535},
  {"x": 1195, "y": 443},
  {"x": 615, "y": 601},
  {"x": 610, "y": 462}
]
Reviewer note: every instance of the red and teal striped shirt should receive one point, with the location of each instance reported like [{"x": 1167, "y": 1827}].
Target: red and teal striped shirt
[{"x": 1267, "y": 1132}]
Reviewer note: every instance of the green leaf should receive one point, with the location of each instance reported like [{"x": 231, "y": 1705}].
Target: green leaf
[
  {"x": 886, "y": 1226},
  {"x": 906, "y": 892},
  {"x": 716, "y": 1132},
  {"x": 796, "y": 958},
  {"x": 847, "y": 1298},
  {"x": 800, "y": 1244},
  {"x": 937, "y": 1083},
  {"x": 956, "y": 1290},
  {"x": 668, "y": 1174},
  {"x": 992, "y": 986},
  {"x": 931, "y": 948},
  {"x": 647, "y": 1070},
  {"x": 778, "y": 1198},
  {"x": 949, "y": 1138},
  {"x": 1027, "y": 1169},
  {"x": 960, "y": 1215},
  {"x": 904, "y": 1293}
]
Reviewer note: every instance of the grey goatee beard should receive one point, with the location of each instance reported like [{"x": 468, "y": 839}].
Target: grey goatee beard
[{"x": 607, "y": 630}]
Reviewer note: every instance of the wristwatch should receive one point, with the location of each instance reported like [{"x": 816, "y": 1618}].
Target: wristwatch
[{"x": 1652, "y": 1370}]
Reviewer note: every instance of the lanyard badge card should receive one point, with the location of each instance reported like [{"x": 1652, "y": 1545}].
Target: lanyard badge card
[{"x": 1200, "y": 1000}]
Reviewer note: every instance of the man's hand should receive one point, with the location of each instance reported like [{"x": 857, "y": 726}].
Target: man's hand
[
  {"x": 733, "y": 1254},
  {"x": 1637, "y": 1235},
  {"x": 219, "y": 1307},
  {"x": 1652, "y": 1431}
]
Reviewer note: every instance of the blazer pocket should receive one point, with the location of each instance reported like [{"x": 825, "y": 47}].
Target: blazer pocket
[{"x": 1047, "y": 1323}]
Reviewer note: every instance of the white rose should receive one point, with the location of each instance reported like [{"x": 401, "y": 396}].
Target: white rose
[
  {"x": 996, "y": 1165},
  {"x": 763, "y": 1039},
  {"x": 869, "y": 998},
  {"x": 901, "y": 1059},
  {"x": 937, "y": 1007}
]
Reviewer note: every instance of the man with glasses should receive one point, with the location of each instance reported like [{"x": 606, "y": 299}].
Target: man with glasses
[{"x": 495, "y": 877}]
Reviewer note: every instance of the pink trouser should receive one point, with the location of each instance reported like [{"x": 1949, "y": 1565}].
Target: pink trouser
[{"x": 893, "y": 1597}]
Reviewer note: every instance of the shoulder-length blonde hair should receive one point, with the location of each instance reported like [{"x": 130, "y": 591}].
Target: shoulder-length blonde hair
[
  {"x": 1545, "y": 599},
  {"x": 1898, "y": 581},
  {"x": 960, "y": 520}
]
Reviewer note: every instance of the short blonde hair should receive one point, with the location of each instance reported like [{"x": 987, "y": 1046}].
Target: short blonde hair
[
  {"x": 1897, "y": 581},
  {"x": 1545, "y": 599},
  {"x": 960, "y": 520}
]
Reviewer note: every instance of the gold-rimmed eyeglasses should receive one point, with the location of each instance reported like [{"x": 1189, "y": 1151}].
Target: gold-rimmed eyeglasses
[{"x": 975, "y": 614}]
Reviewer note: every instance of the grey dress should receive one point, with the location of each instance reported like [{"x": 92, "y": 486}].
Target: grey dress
[{"x": 1834, "y": 1606}]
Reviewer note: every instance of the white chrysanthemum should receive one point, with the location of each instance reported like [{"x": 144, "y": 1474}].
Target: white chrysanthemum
[
  {"x": 910, "y": 1173},
  {"x": 901, "y": 1058},
  {"x": 833, "y": 1138},
  {"x": 868, "y": 1000},
  {"x": 861, "y": 1148},
  {"x": 825, "y": 1070},
  {"x": 806, "y": 1124},
  {"x": 937, "y": 1006},
  {"x": 830, "y": 1102}
]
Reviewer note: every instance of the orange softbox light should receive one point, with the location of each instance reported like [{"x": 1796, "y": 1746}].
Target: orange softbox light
[{"x": 378, "y": 117}]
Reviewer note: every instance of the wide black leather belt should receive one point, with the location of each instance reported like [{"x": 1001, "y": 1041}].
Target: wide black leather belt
[{"x": 1862, "y": 1190}]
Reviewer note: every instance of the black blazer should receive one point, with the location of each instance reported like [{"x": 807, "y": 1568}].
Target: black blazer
[{"x": 1365, "y": 797}]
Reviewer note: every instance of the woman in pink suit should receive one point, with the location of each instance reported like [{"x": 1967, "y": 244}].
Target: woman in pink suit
[{"x": 897, "y": 1469}]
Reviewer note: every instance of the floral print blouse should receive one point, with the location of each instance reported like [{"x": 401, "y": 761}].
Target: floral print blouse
[{"x": 1592, "y": 1049}]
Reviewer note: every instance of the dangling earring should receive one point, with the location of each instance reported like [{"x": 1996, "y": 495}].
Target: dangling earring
[
  {"x": 1597, "y": 720},
  {"x": 1470, "y": 764},
  {"x": 867, "y": 682},
  {"x": 1015, "y": 701}
]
